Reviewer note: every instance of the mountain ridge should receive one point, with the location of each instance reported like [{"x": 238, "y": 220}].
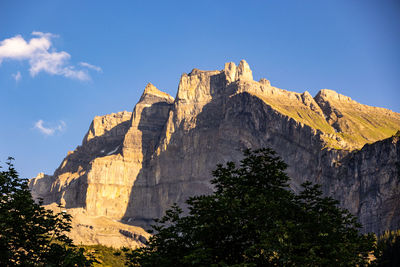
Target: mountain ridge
[{"x": 164, "y": 150}]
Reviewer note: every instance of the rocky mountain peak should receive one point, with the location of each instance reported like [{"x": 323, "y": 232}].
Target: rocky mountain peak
[
  {"x": 243, "y": 71},
  {"x": 196, "y": 86},
  {"x": 230, "y": 71},
  {"x": 105, "y": 125},
  {"x": 202, "y": 86},
  {"x": 307, "y": 99},
  {"x": 150, "y": 92},
  {"x": 327, "y": 94}
]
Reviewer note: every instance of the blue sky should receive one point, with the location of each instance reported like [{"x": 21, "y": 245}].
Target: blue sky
[{"x": 91, "y": 58}]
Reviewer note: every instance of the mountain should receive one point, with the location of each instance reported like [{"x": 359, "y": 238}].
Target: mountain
[{"x": 133, "y": 166}]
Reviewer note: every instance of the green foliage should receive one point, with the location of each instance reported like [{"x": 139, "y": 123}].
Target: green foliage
[
  {"x": 388, "y": 249},
  {"x": 106, "y": 256},
  {"x": 30, "y": 235},
  {"x": 254, "y": 219}
]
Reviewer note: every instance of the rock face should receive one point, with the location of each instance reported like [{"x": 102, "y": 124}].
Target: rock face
[
  {"x": 367, "y": 182},
  {"x": 133, "y": 166}
]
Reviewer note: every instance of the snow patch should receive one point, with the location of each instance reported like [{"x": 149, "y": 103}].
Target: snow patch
[{"x": 113, "y": 151}]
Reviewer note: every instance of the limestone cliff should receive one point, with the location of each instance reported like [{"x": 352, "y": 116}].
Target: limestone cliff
[
  {"x": 367, "y": 182},
  {"x": 133, "y": 166}
]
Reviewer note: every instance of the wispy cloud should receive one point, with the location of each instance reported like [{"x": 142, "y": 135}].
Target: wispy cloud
[
  {"x": 60, "y": 127},
  {"x": 90, "y": 66},
  {"x": 17, "y": 76},
  {"x": 41, "y": 55}
]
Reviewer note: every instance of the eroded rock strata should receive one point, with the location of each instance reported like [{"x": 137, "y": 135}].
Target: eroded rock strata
[{"x": 133, "y": 166}]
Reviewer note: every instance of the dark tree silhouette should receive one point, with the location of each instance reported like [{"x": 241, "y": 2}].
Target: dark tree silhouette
[
  {"x": 388, "y": 249},
  {"x": 31, "y": 235}
]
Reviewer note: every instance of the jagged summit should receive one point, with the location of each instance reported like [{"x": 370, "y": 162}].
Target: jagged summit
[
  {"x": 233, "y": 73},
  {"x": 150, "y": 91},
  {"x": 102, "y": 125},
  {"x": 242, "y": 72}
]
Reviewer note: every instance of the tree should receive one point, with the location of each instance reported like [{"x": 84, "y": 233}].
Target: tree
[
  {"x": 31, "y": 235},
  {"x": 388, "y": 249},
  {"x": 254, "y": 219}
]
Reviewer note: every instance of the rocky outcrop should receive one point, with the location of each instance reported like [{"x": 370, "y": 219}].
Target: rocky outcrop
[
  {"x": 133, "y": 166},
  {"x": 93, "y": 230},
  {"x": 69, "y": 183}
]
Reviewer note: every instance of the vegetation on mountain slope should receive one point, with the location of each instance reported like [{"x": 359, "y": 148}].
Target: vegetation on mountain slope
[
  {"x": 106, "y": 256},
  {"x": 345, "y": 123}
]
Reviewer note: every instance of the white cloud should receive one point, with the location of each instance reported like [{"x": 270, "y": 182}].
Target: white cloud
[
  {"x": 17, "y": 76},
  {"x": 90, "y": 66},
  {"x": 50, "y": 130},
  {"x": 42, "y": 56}
]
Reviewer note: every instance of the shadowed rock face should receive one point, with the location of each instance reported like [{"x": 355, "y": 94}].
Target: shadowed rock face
[
  {"x": 133, "y": 166},
  {"x": 367, "y": 182}
]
